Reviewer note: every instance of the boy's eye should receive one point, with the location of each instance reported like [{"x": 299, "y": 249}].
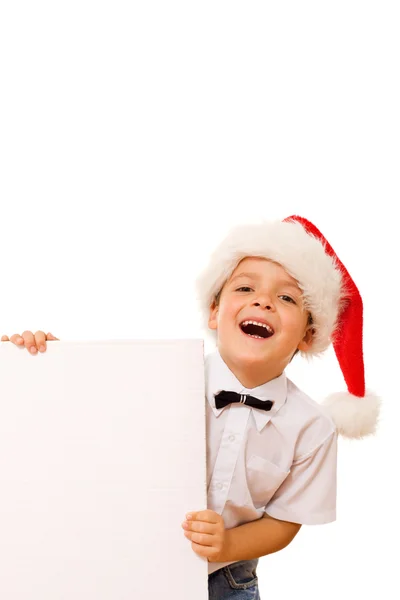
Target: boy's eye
[
  {"x": 244, "y": 288},
  {"x": 287, "y": 298}
]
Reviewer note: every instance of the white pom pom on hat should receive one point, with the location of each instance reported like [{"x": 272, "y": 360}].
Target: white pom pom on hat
[{"x": 329, "y": 294}]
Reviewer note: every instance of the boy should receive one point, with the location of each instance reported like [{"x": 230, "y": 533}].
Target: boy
[{"x": 270, "y": 290}]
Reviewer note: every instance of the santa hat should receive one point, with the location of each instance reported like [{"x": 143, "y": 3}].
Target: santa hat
[{"x": 329, "y": 294}]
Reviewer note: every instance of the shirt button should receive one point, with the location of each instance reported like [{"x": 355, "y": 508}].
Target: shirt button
[
  {"x": 231, "y": 438},
  {"x": 220, "y": 486}
]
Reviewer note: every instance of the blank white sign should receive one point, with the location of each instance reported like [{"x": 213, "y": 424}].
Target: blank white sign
[{"x": 102, "y": 453}]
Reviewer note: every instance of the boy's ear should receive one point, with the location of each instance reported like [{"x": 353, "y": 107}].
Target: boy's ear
[
  {"x": 306, "y": 342},
  {"x": 212, "y": 319}
]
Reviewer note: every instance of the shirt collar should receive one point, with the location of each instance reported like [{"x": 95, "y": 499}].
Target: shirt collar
[{"x": 220, "y": 377}]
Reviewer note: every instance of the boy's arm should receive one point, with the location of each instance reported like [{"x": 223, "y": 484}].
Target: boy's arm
[
  {"x": 206, "y": 530},
  {"x": 258, "y": 538}
]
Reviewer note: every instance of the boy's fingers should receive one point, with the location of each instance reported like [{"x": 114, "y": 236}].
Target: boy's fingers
[
  {"x": 199, "y": 527},
  {"x": 202, "y": 539},
  {"x": 40, "y": 340},
  {"x": 29, "y": 341},
  {"x": 16, "y": 339},
  {"x": 204, "y": 551},
  {"x": 32, "y": 342},
  {"x": 209, "y": 516},
  {"x": 200, "y": 550}
]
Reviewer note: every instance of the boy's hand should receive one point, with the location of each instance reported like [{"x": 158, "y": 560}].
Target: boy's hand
[
  {"x": 32, "y": 342},
  {"x": 206, "y": 530}
]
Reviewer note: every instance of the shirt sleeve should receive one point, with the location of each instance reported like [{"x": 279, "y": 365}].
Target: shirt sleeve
[{"x": 308, "y": 494}]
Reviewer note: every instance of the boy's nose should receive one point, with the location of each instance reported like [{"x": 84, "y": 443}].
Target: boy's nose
[
  {"x": 264, "y": 302},
  {"x": 268, "y": 306}
]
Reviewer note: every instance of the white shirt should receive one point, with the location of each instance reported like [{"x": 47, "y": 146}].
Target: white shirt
[{"x": 281, "y": 462}]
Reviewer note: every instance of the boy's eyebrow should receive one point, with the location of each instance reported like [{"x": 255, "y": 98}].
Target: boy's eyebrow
[
  {"x": 284, "y": 282},
  {"x": 251, "y": 275}
]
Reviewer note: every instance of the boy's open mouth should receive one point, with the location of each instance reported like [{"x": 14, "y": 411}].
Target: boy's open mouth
[{"x": 256, "y": 329}]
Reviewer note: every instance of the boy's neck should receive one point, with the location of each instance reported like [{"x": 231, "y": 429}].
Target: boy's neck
[{"x": 254, "y": 375}]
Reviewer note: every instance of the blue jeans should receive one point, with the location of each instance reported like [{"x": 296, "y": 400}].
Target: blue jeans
[{"x": 235, "y": 582}]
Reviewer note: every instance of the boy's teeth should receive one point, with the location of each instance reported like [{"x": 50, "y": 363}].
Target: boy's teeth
[{"x": 267, "y": 327}]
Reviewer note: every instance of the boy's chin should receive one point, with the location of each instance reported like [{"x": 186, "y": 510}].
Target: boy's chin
[{"x": 245, "y": 355}]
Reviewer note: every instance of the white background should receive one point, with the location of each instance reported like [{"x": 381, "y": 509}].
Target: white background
[{"x": 134, "y": 134}]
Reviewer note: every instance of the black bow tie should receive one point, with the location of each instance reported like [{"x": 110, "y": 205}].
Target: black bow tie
[{"x": 224, "y": 398}]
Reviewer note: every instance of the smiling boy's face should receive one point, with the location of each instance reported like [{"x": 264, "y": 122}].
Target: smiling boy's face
[{"x": 259, "y": 291}]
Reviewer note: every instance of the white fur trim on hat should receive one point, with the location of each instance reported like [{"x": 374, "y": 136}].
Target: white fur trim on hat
[
  {"x": 302, "y": 256},
  {"x": 354, "y": 417}
]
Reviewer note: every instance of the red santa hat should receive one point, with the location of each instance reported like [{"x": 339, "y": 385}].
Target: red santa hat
[{"x": 329, "y": 294}]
